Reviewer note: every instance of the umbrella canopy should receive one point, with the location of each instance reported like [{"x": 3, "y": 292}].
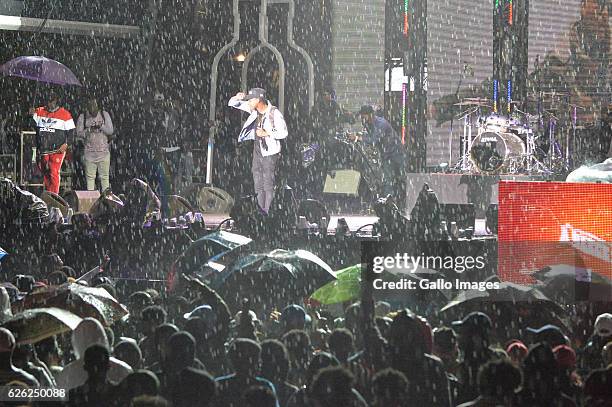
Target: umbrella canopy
[
  {"x": 512, "y": 307},
  {"x": 207, "y": 256},
  {"x": 34, "y": 325},
  {"x": 2, "y": 253},
  {"x": 568, "y": 284},
  {"x": 81, "y": 300},
  {"x": 273, "y": 279},
  {"x": 507, "y": 292},
  {"x": 40, "y": 69},
  {"x": 347, "y": 287}
]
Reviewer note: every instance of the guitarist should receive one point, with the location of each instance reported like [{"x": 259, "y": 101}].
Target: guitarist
[{"x": 379, "y": 134}]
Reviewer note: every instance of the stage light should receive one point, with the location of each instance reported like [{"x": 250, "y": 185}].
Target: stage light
[
  {"x": 509, "y": 96},
  {"x": 405, "y": 18},
  {"x": 510, "y": 13},
  {"x": 495, "y": 93},
  {"x": 404, "y": 96},
  {"x": 240, "y": 57}
]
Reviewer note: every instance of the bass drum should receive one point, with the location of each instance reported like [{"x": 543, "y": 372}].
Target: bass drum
[{"x": 494, "y": 152}]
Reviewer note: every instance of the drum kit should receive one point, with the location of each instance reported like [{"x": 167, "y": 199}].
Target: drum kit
[{"x": 512, "y": 144}]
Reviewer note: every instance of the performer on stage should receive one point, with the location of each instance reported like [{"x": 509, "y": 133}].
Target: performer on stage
[
  {"x": 380, "y": 134},
  {"x": 266, "y": 126},
  {"x": 54, "y": 125}
]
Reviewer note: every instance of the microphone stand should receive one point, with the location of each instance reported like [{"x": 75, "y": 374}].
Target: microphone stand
[{"x": 450, "y": 137}]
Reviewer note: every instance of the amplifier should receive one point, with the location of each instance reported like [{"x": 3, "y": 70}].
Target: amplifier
[
  {"x": 344, "y": 182},
  {"x": 81, "y": 201},
  {"x": 8, "y": 166}
]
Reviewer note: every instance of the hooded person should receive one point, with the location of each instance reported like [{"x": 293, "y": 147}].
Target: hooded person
[
  {"x": 8, "y": 372},
  {"x": 541, "y": 380},
  {"x": 5, "y": 306},
  {"x": 408, "y": 352},
  {"x": 87, "y": 333}
]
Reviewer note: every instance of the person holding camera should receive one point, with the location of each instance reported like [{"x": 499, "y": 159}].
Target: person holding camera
[{"x": 95, "y": 131}]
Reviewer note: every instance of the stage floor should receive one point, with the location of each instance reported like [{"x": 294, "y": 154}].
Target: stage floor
[{"x": 354, "y": 223}]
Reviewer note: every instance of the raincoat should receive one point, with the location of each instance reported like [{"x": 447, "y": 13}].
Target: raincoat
[{"x": 87, "y": 333}]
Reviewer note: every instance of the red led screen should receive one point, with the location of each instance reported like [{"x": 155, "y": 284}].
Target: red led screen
[{"x": 549, "y": 223}]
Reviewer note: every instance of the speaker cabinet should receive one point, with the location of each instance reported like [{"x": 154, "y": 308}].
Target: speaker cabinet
[
  {"x": 55, "y": 201},
  {"x": 344, "y": 182},
  {"x": 81, "y": 201},
  {"x": 211, "y": 199}
]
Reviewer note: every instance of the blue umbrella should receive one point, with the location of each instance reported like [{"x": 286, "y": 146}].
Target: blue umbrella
[
  {"x": 2, "y": 253},
  {"x": 40, "y": 69}
]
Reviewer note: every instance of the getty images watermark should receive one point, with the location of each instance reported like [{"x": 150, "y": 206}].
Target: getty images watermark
[
  {"x": 431, "y": 266},
  {"x": 403, "y": 263}
]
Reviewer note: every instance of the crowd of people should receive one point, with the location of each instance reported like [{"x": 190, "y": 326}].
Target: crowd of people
[{"x": 189, "y": 348}]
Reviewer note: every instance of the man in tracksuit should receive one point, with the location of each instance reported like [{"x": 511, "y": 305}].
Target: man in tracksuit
[
  {"x": 53, "y": 125},
  {"x": 266, "y": 126}
]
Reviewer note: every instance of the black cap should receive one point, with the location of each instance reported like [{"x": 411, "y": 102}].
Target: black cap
[
  {"x": 366, "y": 109},
  {"x": 475, "y": 321},
  {"x": 255, "y": 93}
]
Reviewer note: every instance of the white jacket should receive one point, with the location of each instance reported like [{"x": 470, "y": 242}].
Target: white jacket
[
  {"x": 87, "y": 333},
  {"x": 248, "y": 128}
]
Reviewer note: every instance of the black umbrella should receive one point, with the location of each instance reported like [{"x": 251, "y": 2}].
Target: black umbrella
[
  {"x": 273, "y": 279},
  {"x": 512, "y": 307},
  {"x": 568, "y": 284}
]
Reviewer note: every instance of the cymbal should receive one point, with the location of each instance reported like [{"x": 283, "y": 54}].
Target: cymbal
[
  {"x": 547, "y": 95},
  {"x": 472, "y": 103},
  {"x": 478, "y": 99}
]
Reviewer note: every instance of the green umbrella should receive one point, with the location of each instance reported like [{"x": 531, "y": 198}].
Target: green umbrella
[
  {"x": 346, "y": 287},
  {"x": 348, "y": 283},
  {"x": 34, "y": 325}
]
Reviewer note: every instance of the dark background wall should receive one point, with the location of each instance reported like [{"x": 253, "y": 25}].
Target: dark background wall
[{"x": 187, "y": 35}]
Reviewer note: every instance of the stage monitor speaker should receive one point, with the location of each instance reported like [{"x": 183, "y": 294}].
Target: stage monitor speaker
[
  {"x": 463, "y": 214},
  {"x": 8, "y": 166},
  {"x": 81, "y": 201},
  {"x": 55, "y": 201},
  {"x": 211, "y": 199},
  {"x": 314, "y": 211},
  {"x": 177, "y": 206},
  {"x": 344, "y": 182}
]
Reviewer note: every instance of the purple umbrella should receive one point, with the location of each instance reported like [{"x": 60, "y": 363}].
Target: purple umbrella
[{"x": 40, "y": 69}]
